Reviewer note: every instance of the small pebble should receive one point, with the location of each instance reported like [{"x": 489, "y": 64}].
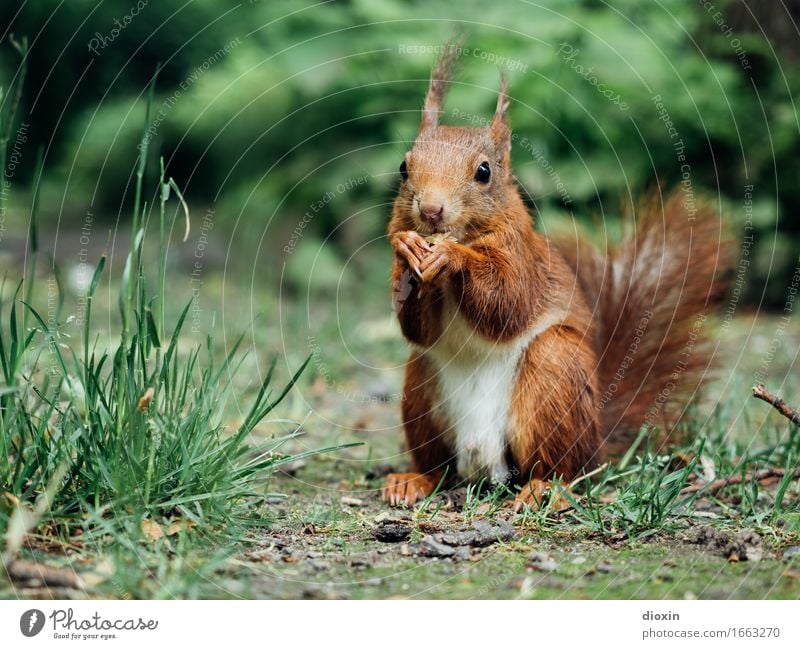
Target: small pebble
[
  {"x": 352, "y": 502},
  {"x": 429, "y": 547},
  {"x": 391, "y": 533},
  {"x": 791, "y": 553}
]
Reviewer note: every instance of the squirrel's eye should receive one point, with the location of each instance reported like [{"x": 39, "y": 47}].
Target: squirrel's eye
[
  {"x": 483, "y": 172},
  {"x": 404, "y": 170}
]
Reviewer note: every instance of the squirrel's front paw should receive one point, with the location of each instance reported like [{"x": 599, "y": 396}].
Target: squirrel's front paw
[
  {"x": 438, "y": 263},
  {"x": 411, "y": 248}
]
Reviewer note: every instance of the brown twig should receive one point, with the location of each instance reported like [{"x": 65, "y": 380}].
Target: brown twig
[
  {"x": 30, "y": 571},
  {"x": 715, "y": 485},
  {"x": 760, "y": 392}
]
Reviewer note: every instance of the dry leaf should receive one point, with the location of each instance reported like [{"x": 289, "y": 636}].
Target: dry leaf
[{"x": 152, "y": 530}]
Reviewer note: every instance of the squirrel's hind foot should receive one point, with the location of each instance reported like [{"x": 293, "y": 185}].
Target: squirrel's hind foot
[
  {"x": 536, "y": 493},
  {"x": 407, "y": 488}
]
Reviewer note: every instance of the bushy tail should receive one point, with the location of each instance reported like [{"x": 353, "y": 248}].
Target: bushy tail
[{"x": 651, "y": 298}]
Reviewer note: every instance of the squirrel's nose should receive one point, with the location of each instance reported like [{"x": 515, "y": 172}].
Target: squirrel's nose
[{"x": 431, "y": 212}]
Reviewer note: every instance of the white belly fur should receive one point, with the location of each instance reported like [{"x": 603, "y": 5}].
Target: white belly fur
[{"x": 476, "y": 379}]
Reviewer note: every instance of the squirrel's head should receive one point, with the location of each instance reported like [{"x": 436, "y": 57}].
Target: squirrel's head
[{"x": 455, "y": 178}]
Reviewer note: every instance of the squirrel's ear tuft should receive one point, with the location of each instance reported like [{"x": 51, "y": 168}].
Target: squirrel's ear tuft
[
  {"x": 499, "y": 127},
  {"x": 440, "y": 80}
]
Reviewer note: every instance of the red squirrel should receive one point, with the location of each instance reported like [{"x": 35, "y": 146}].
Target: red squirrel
[{"x": 532, "y": 359}]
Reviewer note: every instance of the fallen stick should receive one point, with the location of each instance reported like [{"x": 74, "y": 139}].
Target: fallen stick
[
  {"x": 760, "y": 392},
  {"x": 715, "y": 485},
  {"x": 47, "y": 575}
]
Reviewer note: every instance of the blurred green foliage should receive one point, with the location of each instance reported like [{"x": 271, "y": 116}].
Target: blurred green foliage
[{"x": 266, "y": 109}]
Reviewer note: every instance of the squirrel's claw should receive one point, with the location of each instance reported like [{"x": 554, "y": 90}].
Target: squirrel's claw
[
  {"x": 411, "y": 248},
  {"x": 409, "y": 257},
  {"x": 433, "y": 265},
  {"x": 535, "y": 493},
  {"x": 407, "y": 488}
]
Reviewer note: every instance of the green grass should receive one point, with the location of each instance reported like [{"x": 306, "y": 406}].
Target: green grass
[{"x": 128, "y": 454}]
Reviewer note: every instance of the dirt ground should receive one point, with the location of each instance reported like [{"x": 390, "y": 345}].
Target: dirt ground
[{"x": 332, "y": 536}]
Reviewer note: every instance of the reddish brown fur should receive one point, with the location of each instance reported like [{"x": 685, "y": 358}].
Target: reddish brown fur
[
  {"x": 431, "y": 454},
  {"x": 673, "y": 267},
  {"x": 506, "y": 279},
  {"x": 555, "y": 427}
]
